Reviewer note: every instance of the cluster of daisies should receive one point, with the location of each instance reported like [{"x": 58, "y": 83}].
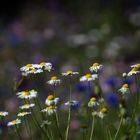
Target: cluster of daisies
[
  {"x": 97, "y": 104},
  {"x": 35, "y": 68}
]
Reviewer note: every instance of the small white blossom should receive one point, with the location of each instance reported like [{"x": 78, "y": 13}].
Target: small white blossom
[
  {"x": 22, "y": 114},
  {"x": 72, "y": 103},
  {"x": 124, "y": 89},
  {"x": 93, "y": 102},
  {"x": 54, "y": 81},
  {"x": 69, "y": 73},
  {"x": 14, "y": 122},
  {"x": 27, "y": 106},
  {"x": 3, "y": 113},
  {"x": 27, "y": 94},
  {"x": 51, "y": 100},
  {"x": 89, "y": 77},
  {"x": 133, "y": 71},
  {"x": 49, "y": 110},
  {"x": 95, "y": 67}
]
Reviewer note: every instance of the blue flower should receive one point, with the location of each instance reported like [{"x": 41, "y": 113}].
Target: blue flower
[
  {"x": 128, "y": 81},
  {"x": 111, "y": 81},
  {"x": 81, "y": 87},
  {"x": 138, "y": 120},
  {"x": 112, "y": 100}
]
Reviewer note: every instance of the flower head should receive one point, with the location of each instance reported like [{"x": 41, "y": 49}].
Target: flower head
[
  {"x": 27, "y": 106},
  {"x": 95, "y": 67},
  {"x": 124, "y": 89},
  {"x": 89, "y": 77},
  {"x": 136, "y": 65},
  {"x": 51, "y": 100},
  {"x": 72, "y": 103},
  {"x": 54, "y": 81},
  {"x": 14, "y": 122},
  {"x": 133, "y": 71},
  {"x": 93, "y": 102},
  {"x": 69, "y": 73},
  {"x": 46, "y": 66},
  {"x": 101, "y": 113},
  {"x": 27, "y": 94},
  {"x": 22, "y": 114},
  {"x": 49, "y": 110},
  {"x": 3, "y": 113}
]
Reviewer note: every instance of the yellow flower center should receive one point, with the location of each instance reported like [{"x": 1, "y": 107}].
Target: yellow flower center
[
  {"x": 34, "y": 70},
  {"x": 14, "y": 121},
  {"x": 135, "y": 69},
  {"x": 125, "y": 86},
  {"x": 93, "y": 99},
  {"x": 42, "y": 63},
  {"x": 95, "y": 64},
  {"x": 54, "y": 78},
  {"x": 26, "y": 105},
  {"x": 104, "y": 110},
  {"x": 138, "y": 64},
  {"x": 29, "y": 65},
  {"x": 26, "y": 93},
  {"x": 88, "y": 75},
  {"x": 50, "y": 97},
  {"x": 1, "y": 113},
  {"x": 69, "y": 72},
  {"x": 50, "y": 107}
]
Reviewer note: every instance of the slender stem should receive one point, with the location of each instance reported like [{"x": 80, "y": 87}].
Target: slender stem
[
  {"x": 92, "y": 128},
  {"x": 118, "y": 128},
  {"x": 57, "y": 125},
  {"x": 18, "y": 134},
  {"x": 69, "y": 113}
]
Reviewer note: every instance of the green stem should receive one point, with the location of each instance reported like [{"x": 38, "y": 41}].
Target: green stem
[
  {"x": 92, "y": 128},
  {"x": 118, "y": 128},
  {"x": 69, "y": 113}
]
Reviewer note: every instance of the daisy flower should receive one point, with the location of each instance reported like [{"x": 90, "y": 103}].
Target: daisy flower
[
  {"x": 72, "y": 103},
  {"x": 22, "y": 114},
  {"x": 27, "y": 106},
  {"x": 69, "y": 73},
  {"x": 124, "y": 89},
  {"x": 34, "y": 71},
  {"x": 136, "y": 65},
  {"x": 89, "y": 77},
  {"x": 93, "y": 102},
  {"x": 45, "y": 66},
  {"x": 95, "y": 67},
  {"x": 54, "y": 81},
  {"x": 27, "y": 94},
  {"x": 51, "y": 100},
  {"x": 133, "y": 71},
  {"x": 14, "y": 122},
  {"x": 49, "y": 110},
  {"x": 3, "y": 113},
  {"x": 101, "y": 113}
]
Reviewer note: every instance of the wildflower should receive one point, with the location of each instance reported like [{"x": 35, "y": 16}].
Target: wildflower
[
  {"x": 51, "y": 100},
  {"x": 133, "y": 71},
  {"x": 101, "y": 113},
  {"x": 136, "y": 65},
  {"x": 49, "y": 110},
  {"x": 89, "y": 77},
  {"x": 72, "y": 103},
  {"x": 45, "y": 66},
  {"x": 112, "y": 99},
  {"x": 22, "y": 114},
  {"x": 95, "y": 67},
  {"x": 27, "y": 106},
  {"x": 27, "y": 67},
  {"x": 69, "y": 73},
  {"x": 34, "y": 71},
  {"x": 54, "y": 81},
  {"x": 93, "y": 102},
  {"x": 3, "y": 113},
  {"x": 14, "y": 122},
  {"x": 124, "y": 74},
  {"x": 124, "y": 89},
  {"x": 27, "y": 94},
  {"x": 138, "y": 120}
]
